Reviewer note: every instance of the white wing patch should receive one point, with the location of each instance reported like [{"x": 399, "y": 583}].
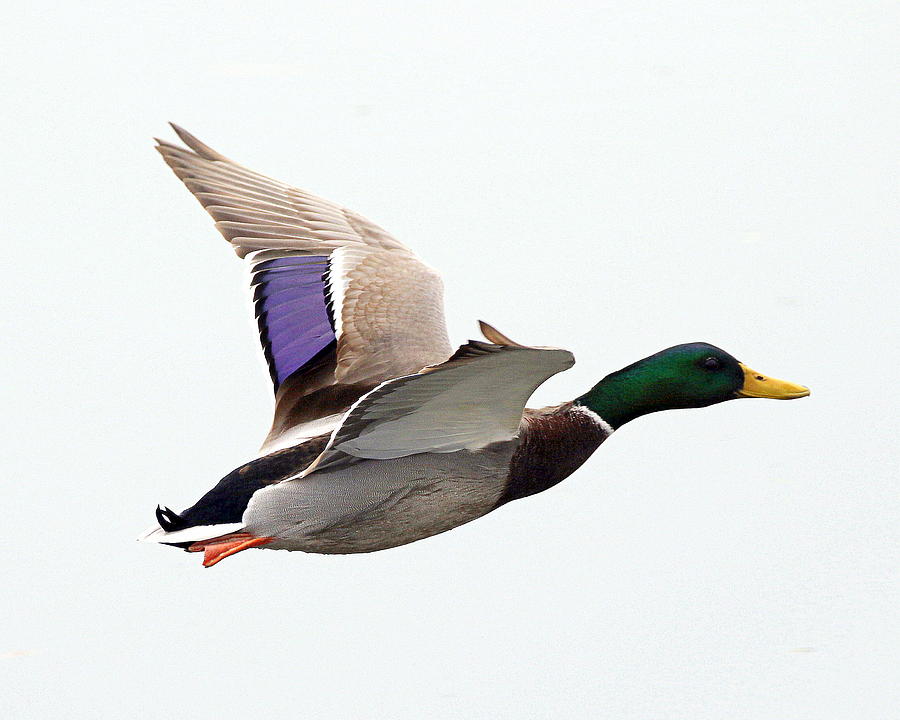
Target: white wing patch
[{"x": 340, "y": 264}]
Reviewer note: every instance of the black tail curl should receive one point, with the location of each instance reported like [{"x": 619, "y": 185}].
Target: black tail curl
[{"x": 169, "y": 520}]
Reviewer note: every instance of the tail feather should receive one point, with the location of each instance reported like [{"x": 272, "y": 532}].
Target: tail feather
[{"x": 168, "y": 519}]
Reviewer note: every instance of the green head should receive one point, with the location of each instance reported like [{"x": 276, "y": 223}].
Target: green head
[{"x": 685, "y": 376}]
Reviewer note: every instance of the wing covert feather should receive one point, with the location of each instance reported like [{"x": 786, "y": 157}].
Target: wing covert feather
[{"x": 474, "y": 399}]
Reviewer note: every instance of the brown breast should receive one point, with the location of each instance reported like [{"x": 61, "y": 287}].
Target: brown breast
[{"x": 554, "y": 442}]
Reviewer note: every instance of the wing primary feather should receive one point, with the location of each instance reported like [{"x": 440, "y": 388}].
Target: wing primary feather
[
  {"x": 493, "y": 335},
  {"x": 199, "y": 147}
]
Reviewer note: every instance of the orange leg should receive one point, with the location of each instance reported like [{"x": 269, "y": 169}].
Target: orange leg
[{"x": 221, "y": 547}]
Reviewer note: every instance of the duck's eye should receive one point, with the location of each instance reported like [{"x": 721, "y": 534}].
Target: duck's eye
[{"x": 712, "y": 363}]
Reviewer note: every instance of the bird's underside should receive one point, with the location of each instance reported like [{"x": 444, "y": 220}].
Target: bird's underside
[
  {"x": 361, "y": 505},
  {"x": 367, "y": 505}
]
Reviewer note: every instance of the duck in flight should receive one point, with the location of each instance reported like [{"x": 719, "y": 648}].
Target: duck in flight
[{"x": 382, "y": 434}]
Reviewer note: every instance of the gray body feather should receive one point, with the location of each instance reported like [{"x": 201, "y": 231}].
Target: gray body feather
[{"x": 377, "y": 504}]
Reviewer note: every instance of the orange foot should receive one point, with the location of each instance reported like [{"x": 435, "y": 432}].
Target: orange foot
[{"x": 221, "y": 547}]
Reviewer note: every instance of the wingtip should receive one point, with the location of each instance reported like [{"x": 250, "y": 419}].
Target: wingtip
[
  {"x": 195, "y": 144},
  {"x": 161, "y": 143},
  {"x": 183, "y": 134},
  {"x": 493, "y": 335}
]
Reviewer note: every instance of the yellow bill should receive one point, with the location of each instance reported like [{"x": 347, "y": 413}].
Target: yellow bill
[{"x": 760, "y": 386}]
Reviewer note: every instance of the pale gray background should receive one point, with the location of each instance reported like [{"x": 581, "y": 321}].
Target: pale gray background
[{"x": 612, "y": 178}]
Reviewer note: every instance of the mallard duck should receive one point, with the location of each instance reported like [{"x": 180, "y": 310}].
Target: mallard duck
[{"x": 383, "y": 435}]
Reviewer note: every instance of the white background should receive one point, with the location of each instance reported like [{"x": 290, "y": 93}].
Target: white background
[{"x": 613, "y": 178}]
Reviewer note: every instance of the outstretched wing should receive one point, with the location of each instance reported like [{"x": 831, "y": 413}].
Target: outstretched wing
[
  {"x": 341, "y": 305},
  {"x": 468, "y": 402}
]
